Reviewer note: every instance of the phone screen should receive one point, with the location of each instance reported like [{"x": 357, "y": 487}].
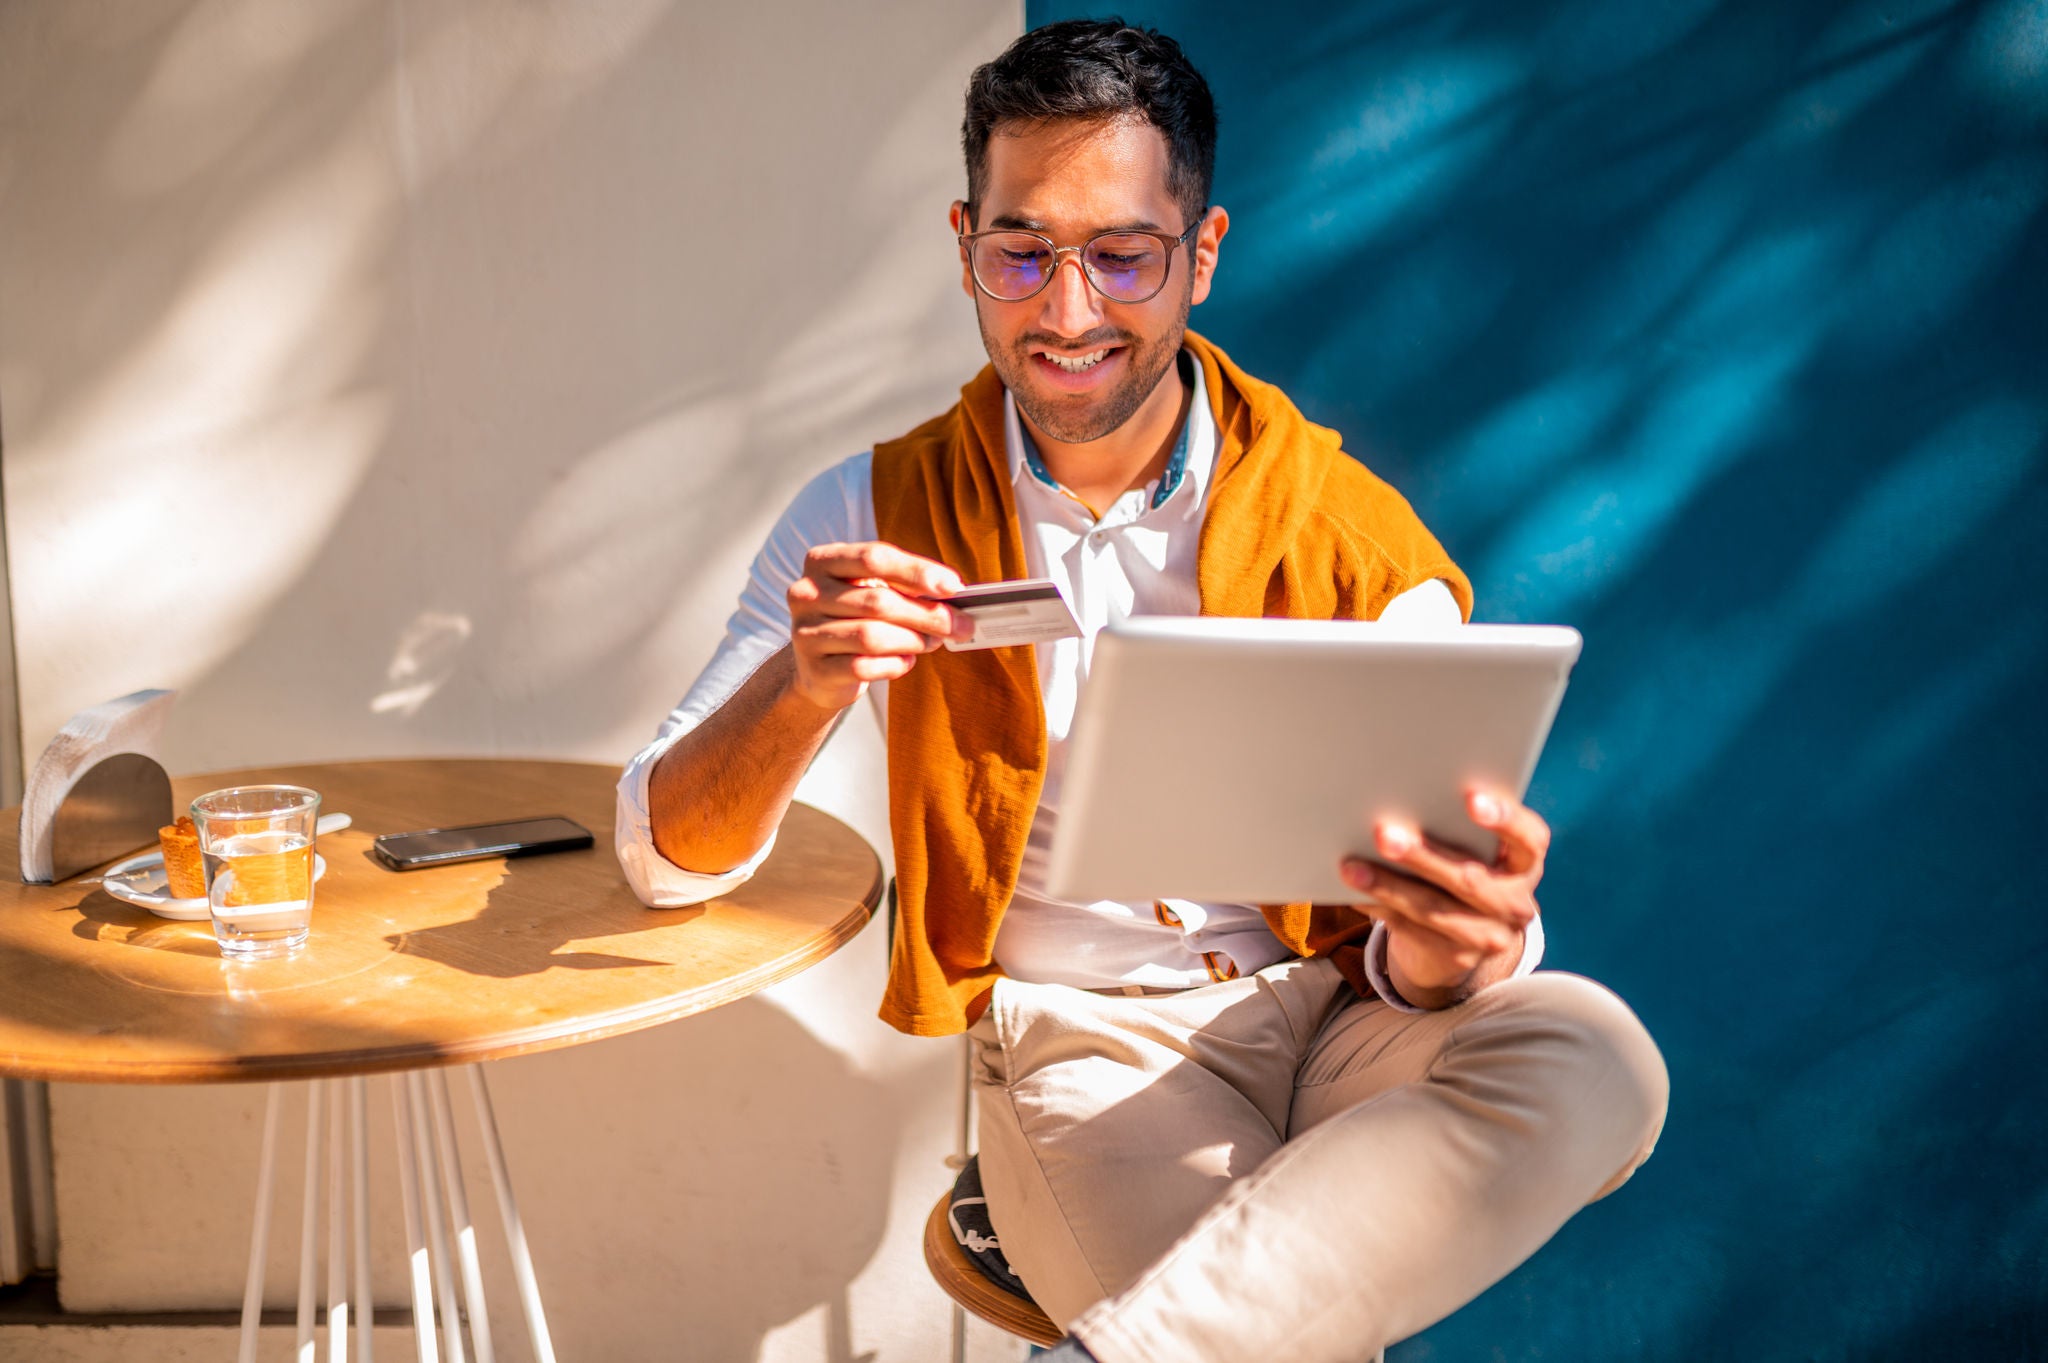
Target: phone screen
[{"x": 515, "y": 837}]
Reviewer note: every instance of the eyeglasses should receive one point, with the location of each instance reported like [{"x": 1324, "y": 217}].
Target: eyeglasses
[{"x": 1124, "y": 267}]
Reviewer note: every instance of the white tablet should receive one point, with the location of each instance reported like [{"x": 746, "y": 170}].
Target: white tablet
[{"x": 1240, "y": 761}]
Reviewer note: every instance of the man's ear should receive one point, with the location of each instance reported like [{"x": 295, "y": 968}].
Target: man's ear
[
  {"x": 962, "y": 224},
  {"x": 1208, "y": 241}
]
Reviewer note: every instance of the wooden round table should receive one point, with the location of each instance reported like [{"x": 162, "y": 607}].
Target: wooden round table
[
  {"x": 446, "y": 965},
  {"x": 408, "y": 971}
]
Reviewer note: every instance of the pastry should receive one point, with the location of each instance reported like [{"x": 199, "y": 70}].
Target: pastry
[{"x": 182, "y": 866}]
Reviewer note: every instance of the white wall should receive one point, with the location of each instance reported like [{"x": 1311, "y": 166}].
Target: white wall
[{"x": 418, "y": 377}]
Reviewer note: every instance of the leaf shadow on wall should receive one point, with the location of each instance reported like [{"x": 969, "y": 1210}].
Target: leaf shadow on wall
[
  {"x": 491, "y": 338},
  {"x": 1712, "y": 328},
  {"x": 473, "y": 339}
]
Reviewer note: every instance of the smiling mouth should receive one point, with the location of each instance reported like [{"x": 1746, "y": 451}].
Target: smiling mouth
[{"x": 1078, "y": 364}]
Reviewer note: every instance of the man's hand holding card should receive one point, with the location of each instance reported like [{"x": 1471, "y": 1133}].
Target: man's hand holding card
[
  {"x": 866, "y": 612},
  {"x": 1029, "y": 611}
]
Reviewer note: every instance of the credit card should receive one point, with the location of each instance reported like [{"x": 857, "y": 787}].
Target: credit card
[{"x": 1031, "y": 611}]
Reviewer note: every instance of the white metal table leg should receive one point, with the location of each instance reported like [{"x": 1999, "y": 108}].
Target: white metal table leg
[
  {"x": 431, "y": 1199},
  {"x": 415, "y": 1236},
  {"x": 508, "y": 1208},
  {"x": 259, "y": 1234},
  {"x": 436, "y": 1083},
  {"x": 309, "y": 1220},
  {"x": 440, "y": 1231},
  {"x": 359, "y": 1156},
  {"x": 337, "y": 1275}
]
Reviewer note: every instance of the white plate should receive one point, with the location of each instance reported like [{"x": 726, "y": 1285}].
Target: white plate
[{"x": 141, "y": 881}]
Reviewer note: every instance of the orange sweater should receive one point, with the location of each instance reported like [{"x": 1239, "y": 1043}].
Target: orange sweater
[{"x": 1294, "y": 527}]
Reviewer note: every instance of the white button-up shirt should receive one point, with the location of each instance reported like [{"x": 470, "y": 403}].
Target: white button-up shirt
[{"x": 1136, "y": 558}]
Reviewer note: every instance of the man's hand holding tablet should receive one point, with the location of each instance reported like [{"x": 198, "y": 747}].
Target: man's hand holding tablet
[
  {"x": 1455, "y": 924},
  {"x": 1295, "y": 761}
]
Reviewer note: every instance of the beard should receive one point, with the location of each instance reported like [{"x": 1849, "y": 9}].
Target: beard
[{"x": 1076, "y": 419}]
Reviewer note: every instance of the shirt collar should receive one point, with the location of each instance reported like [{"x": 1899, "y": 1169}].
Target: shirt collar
[{"x": 1193, "y": 454}]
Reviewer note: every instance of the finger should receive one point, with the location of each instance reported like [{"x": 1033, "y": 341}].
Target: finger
[
  {"x": 813, "y": 602},
  {"x": 1490, "y": 890},
  {"x": 861, "y": 667},
  {"x": 868, "y": 668},
  {"x": 871, "y": 638},
  {"x": 883, "y": 562},
  {"x": 1463, "y": 932},
  {"x": 1423, "y": 905},
  {"x": 1428, "y": 938},
  {"x": 849, "y": 668},
  {"x": 873, "y": 600},
  {"x": 1524, "y": 836},
  {"x": 1406, "y": 937}
]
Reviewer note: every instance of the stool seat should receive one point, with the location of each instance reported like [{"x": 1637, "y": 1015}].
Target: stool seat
[{"x": 959, "y": 1279}]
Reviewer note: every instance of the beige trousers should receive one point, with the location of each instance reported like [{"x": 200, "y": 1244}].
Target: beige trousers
[{"x": 1272, "y": 1168}]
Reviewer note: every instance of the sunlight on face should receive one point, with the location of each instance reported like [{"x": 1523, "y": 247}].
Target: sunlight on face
[{"x": 1068, "y": 181}]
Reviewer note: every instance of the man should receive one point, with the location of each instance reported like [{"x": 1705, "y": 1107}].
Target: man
[{"x": 1206, "y": 1131}]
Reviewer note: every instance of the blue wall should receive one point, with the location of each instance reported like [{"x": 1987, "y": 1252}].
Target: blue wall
[{"x": 1720, "y": 331}]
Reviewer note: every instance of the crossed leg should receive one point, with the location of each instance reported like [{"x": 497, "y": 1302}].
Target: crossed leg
[{"x": 1270, "y": 1168}]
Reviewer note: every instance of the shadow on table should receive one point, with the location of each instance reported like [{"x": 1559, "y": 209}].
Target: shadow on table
[
  {"x": 149, "y": 979},
  {"x": 505, "y": 939},
  {"x": 101, "y": 916},
  {"x": 477, "y": 947}
]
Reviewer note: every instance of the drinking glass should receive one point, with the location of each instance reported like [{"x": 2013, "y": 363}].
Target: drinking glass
[{"x": 257, "y": 846}]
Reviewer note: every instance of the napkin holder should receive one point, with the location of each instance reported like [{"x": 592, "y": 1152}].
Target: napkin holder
[
  {"x": 98, "y": 790},
  {"x": 114, "y": 808}
]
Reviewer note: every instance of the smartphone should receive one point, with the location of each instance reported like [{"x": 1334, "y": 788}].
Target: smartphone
[{"x": 472, "y": 842}]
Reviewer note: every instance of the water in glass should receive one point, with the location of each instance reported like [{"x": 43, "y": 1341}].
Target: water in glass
[{"x": 260, "y": 888}]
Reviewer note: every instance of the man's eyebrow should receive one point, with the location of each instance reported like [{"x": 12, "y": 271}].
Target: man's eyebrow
[{"x": 1012, "y": 222}]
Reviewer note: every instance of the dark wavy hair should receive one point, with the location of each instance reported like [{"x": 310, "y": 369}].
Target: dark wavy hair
[{"x": 1097, "y": 69}]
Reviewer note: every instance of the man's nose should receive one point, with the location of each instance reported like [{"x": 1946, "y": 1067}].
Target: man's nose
[{"x": 1072, "y": 307}]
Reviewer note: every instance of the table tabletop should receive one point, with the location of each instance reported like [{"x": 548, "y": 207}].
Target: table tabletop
[{"x": 441, "y": 966}]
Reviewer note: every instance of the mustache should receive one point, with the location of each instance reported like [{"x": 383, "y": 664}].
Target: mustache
[{"x": 1094, "y": 340}]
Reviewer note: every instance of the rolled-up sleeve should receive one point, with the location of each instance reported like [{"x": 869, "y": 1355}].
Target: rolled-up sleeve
[
  {"x": 835, "y": 507},
  {"x": 659, "y": 882}
]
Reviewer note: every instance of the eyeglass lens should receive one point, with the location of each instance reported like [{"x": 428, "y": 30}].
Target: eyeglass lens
[{"x": 1129, "y": 267}]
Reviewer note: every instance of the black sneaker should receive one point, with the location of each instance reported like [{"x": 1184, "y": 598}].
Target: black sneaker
[{"x": 967, "y": 1214}]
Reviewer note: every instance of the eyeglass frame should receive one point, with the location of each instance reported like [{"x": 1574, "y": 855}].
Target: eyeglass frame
[{"x": 1172, "y": 244}]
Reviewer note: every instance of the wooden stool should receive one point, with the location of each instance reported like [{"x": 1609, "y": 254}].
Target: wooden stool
[{"x": 959, "y": 1279}]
